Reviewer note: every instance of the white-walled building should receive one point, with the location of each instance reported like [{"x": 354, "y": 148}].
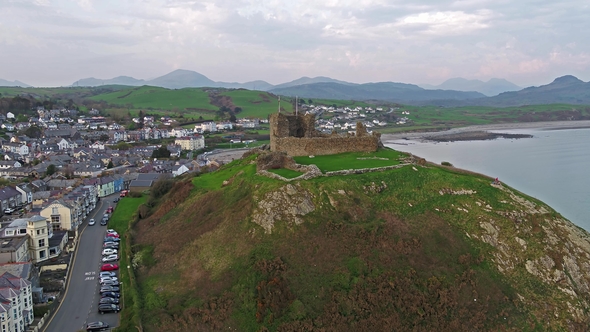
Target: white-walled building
[
  {"x": 190, "y": 142},
  {"x": 16, "y": 303}
]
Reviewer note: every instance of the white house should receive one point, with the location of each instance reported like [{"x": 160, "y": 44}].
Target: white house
[
  {"x": 10, "y": 115},
  {"x": 16, "y": 303},
  {"x": 179, "y": 170}
]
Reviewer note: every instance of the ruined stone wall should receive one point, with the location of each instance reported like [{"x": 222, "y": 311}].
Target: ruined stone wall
[
  {"x": 296, "y": 135},
  {"x": 316, "y": 146}
]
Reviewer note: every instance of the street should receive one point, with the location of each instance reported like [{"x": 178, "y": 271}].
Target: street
[{"x": 79, "y": 305}]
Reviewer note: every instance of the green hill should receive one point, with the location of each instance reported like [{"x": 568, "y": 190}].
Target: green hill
[{"x": 420, "y": 247}]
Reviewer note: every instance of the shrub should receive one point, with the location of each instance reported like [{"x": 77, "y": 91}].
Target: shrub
[{"x": 446, "y": 163}]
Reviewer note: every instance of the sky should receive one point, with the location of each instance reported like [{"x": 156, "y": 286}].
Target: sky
[{"x": 528, "y": 42}]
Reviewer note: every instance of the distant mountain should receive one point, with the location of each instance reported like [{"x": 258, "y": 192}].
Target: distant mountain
[
  {"x": 310, "y": 80},
  {"x": 177, "y": 79},
  {"x": 563, "y": 90},
  {"x": 492, "y": 87},
  {"x": 386, "y": 91},
  {"x": 120, "y": 80},
  {"x": 15, "y": 83}
]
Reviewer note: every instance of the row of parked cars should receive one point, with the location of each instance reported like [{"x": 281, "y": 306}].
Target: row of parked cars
[{"x": 109, "y": 282}]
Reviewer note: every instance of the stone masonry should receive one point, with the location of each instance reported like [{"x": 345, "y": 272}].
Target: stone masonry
[{"x": 296, "y": 135}]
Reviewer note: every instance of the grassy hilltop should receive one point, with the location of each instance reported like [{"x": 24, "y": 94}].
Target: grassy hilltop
[{"x": 414, "y": 248}]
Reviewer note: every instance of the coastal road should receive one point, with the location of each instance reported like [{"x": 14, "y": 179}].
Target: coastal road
[{"x": 80, "y": 302}]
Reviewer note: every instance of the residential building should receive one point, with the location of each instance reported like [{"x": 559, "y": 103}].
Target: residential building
[
  {"x": 16, "y": 303},
  {"x": 190, "y": 142},
  {"x": 61, "y": 214},
  {"x": 9, "y": 198}
]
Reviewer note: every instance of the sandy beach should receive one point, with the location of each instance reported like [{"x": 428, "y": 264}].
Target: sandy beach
[{"x": 552, "y": 125}]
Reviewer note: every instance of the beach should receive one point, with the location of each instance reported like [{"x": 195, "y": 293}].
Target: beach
[{"x": 474, "y": 132}]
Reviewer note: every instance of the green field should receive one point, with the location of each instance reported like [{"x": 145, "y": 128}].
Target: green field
[
  {"x": 352, "y": 160},
  {"x": 149, "y": 97},
  {"x": 256, "y": 104},
  {"x": 286, "y": 173}
]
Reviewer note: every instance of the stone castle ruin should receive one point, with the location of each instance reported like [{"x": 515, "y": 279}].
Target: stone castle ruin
[{"x": 296, "y": 135}]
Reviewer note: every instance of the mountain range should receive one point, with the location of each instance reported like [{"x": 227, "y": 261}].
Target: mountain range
[
  {"x": 492, "y": 87},
  {"x": 453, "y": 92},
  {"x": 13, "y": 83}
]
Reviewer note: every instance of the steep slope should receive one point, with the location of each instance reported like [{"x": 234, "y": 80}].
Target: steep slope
[
  {"x": 416, "y": 248},
  {"x": 387, "y": 91}
]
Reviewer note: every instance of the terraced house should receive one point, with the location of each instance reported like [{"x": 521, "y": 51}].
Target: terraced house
[
  {"x": 16, "y": 303},
  {"x": 62, "y": 215}
]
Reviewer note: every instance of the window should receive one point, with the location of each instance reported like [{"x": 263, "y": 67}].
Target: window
[
  {"x": 42, "y": 243},
  {"x": 38, "y": 231},
  {"x": 22, "y": 231},
  {"x": 42, "y": 254},
  {"x": 54, "y": 210}
]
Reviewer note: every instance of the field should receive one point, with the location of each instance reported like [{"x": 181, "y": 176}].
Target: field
[
  {"x": 352, "y": 160},
  {"x": 256, "y": 103},
  {"x": 149, "y": 97}
]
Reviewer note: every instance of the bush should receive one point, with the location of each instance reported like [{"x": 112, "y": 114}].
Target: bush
[
  {"x": 134, "y": 194},
  {"x": 446, "y": 163}
]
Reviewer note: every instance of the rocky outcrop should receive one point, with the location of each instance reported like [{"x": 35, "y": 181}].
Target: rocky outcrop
[{"x": 286, "y": 204}]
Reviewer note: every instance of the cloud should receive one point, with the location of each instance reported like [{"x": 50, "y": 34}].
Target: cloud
[{"x": 357, "y": 40}]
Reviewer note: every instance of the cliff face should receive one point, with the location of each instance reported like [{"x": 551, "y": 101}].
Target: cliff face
[{"x": 419, "y": 247}]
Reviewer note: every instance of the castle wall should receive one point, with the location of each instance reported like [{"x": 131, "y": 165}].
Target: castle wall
[{"x": 316, "y": 146}]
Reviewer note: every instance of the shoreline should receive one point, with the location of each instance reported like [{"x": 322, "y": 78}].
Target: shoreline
[{"x": 464, "y": 131}]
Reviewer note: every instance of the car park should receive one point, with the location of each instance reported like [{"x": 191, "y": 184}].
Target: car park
[
  {"x": 105, "y": 300},
  {"x": 109, "y": 251},
  {"x": 114, "y": 295},
  {"x": 110, "y": 258},
  {"x": 91, "y": 222},
  {"x": 109, "y": 267},
  {"x": 108, "y": 307},
  {"x": 105, "y": 289},
  {"x": 97, "y": 326}
]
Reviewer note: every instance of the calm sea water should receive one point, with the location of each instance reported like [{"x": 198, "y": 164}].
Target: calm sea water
[{"x": 553, "y": 166}]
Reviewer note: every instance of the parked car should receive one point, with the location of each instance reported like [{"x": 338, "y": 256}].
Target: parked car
[
  {"x": 123, "y": 193},
  {"x": 111, "y": 239},
  {"x": 116, "y": 200},
  {"x": 112, "y": 235},
  {"x": 111, "y": 245},
  {"x": 8, "y": 210},
  {"x": 114, "y": 295},
  {"x": 105, "y": 289},
  {"x": 104, "y": 222},
  {"x": 108, "y": 307},
  {"x": 109, "y": 283},
  {"x": 106, "y": 274},
  {"x": 111, "y": 231},
  {"x": 109, "y": 251},
  {"x": 103, "y": 279},
  {"x": 110, "y": 258},
  {"x": 109, "y": 267},
  {"x": 97, "y": 326},
  {"x": 110, "y": 209},
  {"x": 91, "y": 222},
  {"x": 105, "y": 300}
]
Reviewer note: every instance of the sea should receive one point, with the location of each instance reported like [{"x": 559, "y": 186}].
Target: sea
[{"x": 552, "y": 166}]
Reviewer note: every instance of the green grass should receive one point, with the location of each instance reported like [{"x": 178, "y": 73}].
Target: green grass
[
  {"x": 149, "y": 97},
  {"x": 286, "y": 173},
  {"x": 352, "y": 160},
  {"x": 256, "y": 104},
  {"x": 131, "y": 303},
  {"x": 214, "y": 180}
]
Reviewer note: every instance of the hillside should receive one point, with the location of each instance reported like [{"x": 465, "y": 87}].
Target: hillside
[
  {"x": 418, "y": 248},
  {"x": 491, "y": 87},
  {"x": 385, "y": 91}
]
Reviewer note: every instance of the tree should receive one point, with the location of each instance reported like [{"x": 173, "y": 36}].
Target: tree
[
  {"x": 309, "y": 101},
  {"x": 50, "y": 170},
  {"x": 110, "y": 165},
  {"x": 22, "y": 118},
  {"x": 104, "y": 138},
  {"x": 161, "y": 152},
  {"x": 232, "y": 118}
]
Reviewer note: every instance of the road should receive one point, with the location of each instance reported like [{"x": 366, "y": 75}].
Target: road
[{"x": 80, "y": 301}]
